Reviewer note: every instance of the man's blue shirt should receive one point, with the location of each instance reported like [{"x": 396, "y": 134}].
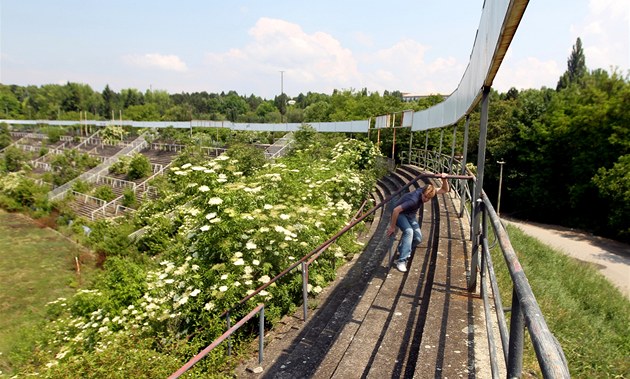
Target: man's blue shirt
[{"x": 411, "y": 201}]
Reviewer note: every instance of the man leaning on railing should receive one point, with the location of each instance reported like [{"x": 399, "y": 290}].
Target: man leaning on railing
[{"x": 404, "y": 216}]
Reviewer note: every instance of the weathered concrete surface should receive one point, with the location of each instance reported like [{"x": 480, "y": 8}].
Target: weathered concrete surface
[{"x": 375, "y": 321}]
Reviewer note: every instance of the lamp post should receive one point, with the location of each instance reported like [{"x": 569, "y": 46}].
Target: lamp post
[{"x": 501, "y": 163}]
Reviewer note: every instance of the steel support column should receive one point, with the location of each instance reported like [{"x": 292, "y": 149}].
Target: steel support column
[{"x": 481, "y": 158}]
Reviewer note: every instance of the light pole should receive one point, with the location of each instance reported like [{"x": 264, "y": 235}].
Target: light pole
[{"x": 501, "y": 163}]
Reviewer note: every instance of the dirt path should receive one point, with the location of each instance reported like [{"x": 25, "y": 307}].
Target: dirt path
[{"x": 612, "y": 258}]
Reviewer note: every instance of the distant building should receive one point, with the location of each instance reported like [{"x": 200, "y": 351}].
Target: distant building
[{"x": 407, "y": 97}]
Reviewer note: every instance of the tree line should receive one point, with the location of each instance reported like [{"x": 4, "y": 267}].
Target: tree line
[
  {"x": 566, "y": 149},
  {"x": 75, "y": 101}
]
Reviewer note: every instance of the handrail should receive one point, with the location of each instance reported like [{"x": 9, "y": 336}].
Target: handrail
[
  {"x": 115, "y": 182},
  {"x": 260, "y": 308},
  {"x": 525, "y": 309},
  {"x": 340, "y": 233},
  {"x": 167, "y": 147},
  {"x": 308, "y": 258},
  {"x": 86, "y": 197}
]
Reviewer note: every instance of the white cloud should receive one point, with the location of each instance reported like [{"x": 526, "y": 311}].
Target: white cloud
[
  {"x": 605, "y": 34},
  {"x": 319, "y": 62},
  {"x": 404, "y": 67},
  {"x": 528, "y": 73},
  {"x": 159, "y": 61},
  {"x": 276, "y": 45},
  {"x": 363, "y": 39}
]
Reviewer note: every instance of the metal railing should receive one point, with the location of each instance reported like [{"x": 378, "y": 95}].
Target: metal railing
[
  {"x": 445, "y": 163},
  {"x": 261, "y": 329},
  {"x": 311, "y": 256},
  {"x": 168, "y": 147},
  {"x": 86, "y": 198},
  {"x": 213, "y": 151},
  {"x": 91, "y": 175},
  {"x": 525, "y": 311},
  {"x": 280, "y": 147}
]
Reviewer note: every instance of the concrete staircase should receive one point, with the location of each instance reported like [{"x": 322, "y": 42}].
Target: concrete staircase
[{"x": 374, "y": 321}]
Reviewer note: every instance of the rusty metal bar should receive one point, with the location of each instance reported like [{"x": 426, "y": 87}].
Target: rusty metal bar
[
  {"x": 261, "y": 334},
  {"x": 498, "y": 303},
  {"x": 305, "y": 289},
  {"x": 225, "y": 335},
  {"x": 229, "y": 340},
  {"x": 341, "y": 232},
  {"x": 517, "y": 338},
  {"x": 549, "y": 353},
  {"x": 450, "y": 164},
  {"x": 494, "y": 367}
]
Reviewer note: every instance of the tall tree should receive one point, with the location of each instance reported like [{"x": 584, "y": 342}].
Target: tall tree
[
  {"x": 576, "y": 67},
  {"x": 110, "y": 101}
]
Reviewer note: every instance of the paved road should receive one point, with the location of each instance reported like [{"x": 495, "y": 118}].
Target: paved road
[{"x": 612, "y": 258}]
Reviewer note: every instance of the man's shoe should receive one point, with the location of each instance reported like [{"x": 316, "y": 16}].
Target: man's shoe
[{"x": 401, "y": 266}]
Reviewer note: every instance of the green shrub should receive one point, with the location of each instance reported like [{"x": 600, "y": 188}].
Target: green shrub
[
  {"x": 304, "y": 136},
  {"x": 121, "y": 166},
  {"x": 104, "y": 192},
  {"x": 70, "y": 164},
  {"x": 129, "y": 198},
  {"x": 139, "y": 167},
  {"x": 54, "y": 133},
  {"x": 14, "y": 159},
  {"x": 81, "y": 186},
  {"x": 5, "y": 136},
  {"x": 124, "y": 282},
  {"x": 23, "y": 191},
  {"x": 248, "y": 158},
  {"x": 113, "y": 133},
  {"x": 110, "y": 238}
]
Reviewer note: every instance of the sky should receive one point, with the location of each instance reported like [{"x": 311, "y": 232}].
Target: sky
[{"x": 265, "y": 48}]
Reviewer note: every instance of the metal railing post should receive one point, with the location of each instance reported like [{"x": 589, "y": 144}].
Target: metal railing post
[
  {"x": 305, "y": 289},
  {"x": 229, "y": 339},
  {"x": 261, "y": 335},
  {"x": 483, "y": 131},
  {"x": 410, "y": 144},
  {"x": 450, "y": 164},
  {"x": 517, "y": 332},
  {"x": 426, "y": 149},
  {"x": 465, "y": 156}
]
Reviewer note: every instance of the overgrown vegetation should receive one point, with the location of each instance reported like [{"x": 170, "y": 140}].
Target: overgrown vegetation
[
  {"x": 19, "y": 193},
  {"x": 132, "y": 167},
  {"x": 221, "y": 229}
]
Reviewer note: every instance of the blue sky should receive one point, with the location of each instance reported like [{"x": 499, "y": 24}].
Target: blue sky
[{"x": 192, "y": 45}]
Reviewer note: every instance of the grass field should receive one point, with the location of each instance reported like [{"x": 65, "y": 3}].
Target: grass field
[
  {"x": 37, "y": 265},
  {"x": 585, "y": 312}
]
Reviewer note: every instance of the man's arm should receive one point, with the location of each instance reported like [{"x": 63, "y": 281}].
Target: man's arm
[
  {"x": 445, "y": 186},
  {"x": 392, "y": 225}
]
